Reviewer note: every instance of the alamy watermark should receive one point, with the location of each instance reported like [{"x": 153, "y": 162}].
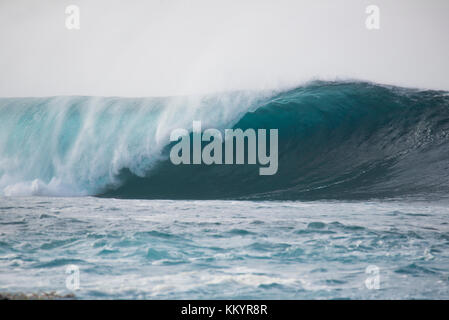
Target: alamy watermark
[
  {"x": 72, "y": 282},
  {"x": 72, "y": 20},
  {"x": 373, "y": 281},
  {"x": 234, "y": 140},
  {"x": 372, "y": 22}
]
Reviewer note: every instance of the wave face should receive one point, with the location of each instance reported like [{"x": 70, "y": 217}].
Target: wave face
[{"x": 336, "y": 141}]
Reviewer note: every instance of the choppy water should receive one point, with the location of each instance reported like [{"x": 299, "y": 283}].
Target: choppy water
[{"x": 223, "y": 249}]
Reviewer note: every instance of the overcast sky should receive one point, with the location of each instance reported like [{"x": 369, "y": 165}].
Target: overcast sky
[{"x": 167, "y": 47}]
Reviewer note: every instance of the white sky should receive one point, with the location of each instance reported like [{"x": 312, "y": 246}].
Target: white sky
[{"x": 169, "y": 47}]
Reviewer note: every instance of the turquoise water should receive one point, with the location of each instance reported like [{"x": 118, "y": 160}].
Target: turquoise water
[
  {"x": 72, "y": 171},
  {"x": 158, "y": 249},
  {"x": 345, "y": 141}
]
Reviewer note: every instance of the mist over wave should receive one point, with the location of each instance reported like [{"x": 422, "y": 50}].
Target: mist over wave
[
  {"x": 71, "y": 146},
  {"x": 337, "y": 140}
]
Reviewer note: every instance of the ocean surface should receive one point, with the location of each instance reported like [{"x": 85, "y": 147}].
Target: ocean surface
[
  {"x": 158, "y": 249},
  {"x": 360, "y": 197}
]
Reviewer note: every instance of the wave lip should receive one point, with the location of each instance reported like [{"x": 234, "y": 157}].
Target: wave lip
[
  {"x": 77, "y": 146},
  {"x": 337, "y": 140}
]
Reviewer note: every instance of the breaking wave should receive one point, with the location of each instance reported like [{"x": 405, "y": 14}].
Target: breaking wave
[{"x": 337, "y": 140}]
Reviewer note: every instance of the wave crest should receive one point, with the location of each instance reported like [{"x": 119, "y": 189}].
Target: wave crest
[{"x": 336, "y": 141}]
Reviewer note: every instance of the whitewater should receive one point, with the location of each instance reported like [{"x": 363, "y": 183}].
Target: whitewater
[
  {"x": 336, "y": 140},
  {"x": 187, "y": 249},
  {"x": 362, "y": 181}
]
